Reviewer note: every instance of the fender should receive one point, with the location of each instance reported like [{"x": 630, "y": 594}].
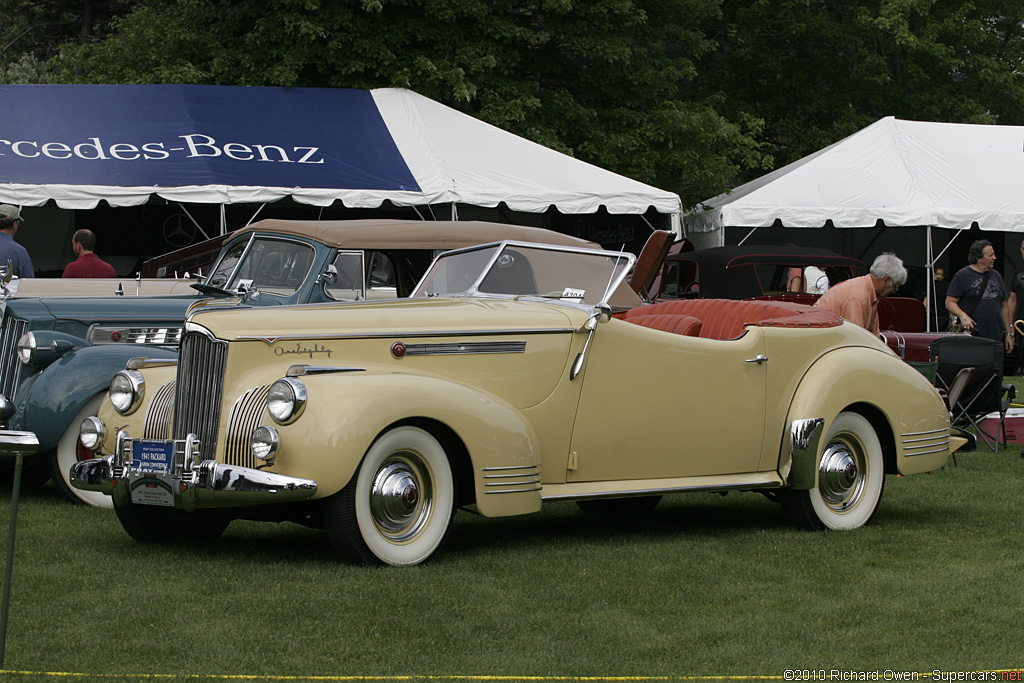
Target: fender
[
  {"x": 345, "y": 412},
  {"x": 48, "y": 405},
  {"x": 911, "y": 402}
]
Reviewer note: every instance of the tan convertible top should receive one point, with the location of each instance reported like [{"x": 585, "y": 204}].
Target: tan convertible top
[{"x": 384, "y": 233}]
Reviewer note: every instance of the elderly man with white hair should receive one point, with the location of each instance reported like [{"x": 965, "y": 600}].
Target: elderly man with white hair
[{"x": 856, "y": 299}]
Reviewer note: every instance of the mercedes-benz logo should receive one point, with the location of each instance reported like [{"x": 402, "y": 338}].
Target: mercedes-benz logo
[{"x": 179, "y": 231}]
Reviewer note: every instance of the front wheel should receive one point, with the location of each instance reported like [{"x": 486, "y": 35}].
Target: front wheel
[
  {"x": 851, "y": 476},
  {"x": 399, "y": 505},
  {"x": 69, "y": 451}
]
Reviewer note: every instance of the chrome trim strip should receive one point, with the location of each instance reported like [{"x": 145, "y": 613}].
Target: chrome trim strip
[
  {"x": 670, "y": 489},
  {"x": 927, "y": 438},
  {"x": 944, "y": 430},
  {"x": 414, "y": 335},
  {"x": 456, "y": 348},
  {"x": 539, "y": 487},
  {"x": 141, "y": 363},
  {"x": 301, "y": 370},
  {"x": 510, "y": 467},
  {"x": 511, "y": 475},
  {"x": 944, "y": 449}
]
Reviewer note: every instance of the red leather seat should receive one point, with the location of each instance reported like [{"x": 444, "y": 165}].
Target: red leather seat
[{"x": 728, "y": 318}]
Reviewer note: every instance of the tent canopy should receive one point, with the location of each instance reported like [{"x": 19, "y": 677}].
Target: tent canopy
[
  {"x": 79, "y": 144},
  {"x": 903, "y": 173}
]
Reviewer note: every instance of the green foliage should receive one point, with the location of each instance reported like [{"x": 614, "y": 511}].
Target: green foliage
[
  {"x": 703, "y": 586},
  {"x": 816, "y": 71}
]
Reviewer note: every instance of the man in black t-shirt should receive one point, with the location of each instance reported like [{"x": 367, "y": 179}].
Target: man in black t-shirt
[{"x": 983, "y": 310}]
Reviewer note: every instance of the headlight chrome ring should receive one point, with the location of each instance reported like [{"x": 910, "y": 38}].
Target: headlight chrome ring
[
  {"x": 127, "y": 390},
  {"x": 92, "y": 432},
  {"x": 27, "y": 348},
  {"x": 264, "y": 442},
  {"x": 286, "y": 400}
]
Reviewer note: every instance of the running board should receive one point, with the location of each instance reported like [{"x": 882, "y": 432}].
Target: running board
[{"x": 648, "y": 487}]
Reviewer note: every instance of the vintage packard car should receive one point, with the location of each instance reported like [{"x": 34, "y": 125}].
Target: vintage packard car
[
  {"x": 59, "y": 350},
  {"x": 516, "y": 374}
]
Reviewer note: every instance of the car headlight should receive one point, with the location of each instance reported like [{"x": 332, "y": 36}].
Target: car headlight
[
  {"x": 27, "y": 348},
  {"x": 91, "y": 432},
  {"x": 263, "y": 443},
  {"x": 286, "y": 400},
  {"x": 127, "y": 390}
]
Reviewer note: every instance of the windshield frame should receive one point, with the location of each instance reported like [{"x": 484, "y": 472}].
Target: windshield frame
[
  {"x": 232, "y": 279},
  {"x": 473, "y": 290}
]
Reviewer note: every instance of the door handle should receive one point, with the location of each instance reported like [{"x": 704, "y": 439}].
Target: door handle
[{"x": 759, "y": 358}]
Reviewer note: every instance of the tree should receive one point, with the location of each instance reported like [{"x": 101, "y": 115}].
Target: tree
[
  {"x": 33, "y": 31},
  {"x": 605, "y": 80},
  {"x": 816, "y": 70}
]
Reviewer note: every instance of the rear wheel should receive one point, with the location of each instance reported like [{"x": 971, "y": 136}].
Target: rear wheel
[
  {"x": 851, "y": 476},
  {"x": 399, "y": 505},
  {"x": 69, "y": 451},
  {"x": 155, "y": 524}
]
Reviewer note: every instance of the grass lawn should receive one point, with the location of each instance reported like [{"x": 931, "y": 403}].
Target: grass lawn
[{"x": 704, "y": 586}]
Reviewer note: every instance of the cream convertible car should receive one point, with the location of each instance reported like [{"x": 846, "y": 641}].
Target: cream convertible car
[{"x": 511, "y": 377}]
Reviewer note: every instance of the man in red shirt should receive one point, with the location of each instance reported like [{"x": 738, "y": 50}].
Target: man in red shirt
[{"x": 87, "y": 264}]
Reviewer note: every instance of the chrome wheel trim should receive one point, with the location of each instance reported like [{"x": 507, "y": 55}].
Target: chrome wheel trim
[
  {"x": 842, "y": 473},
  {"x": 402, "y": 496},
  {"x": 66, "y": 455}
]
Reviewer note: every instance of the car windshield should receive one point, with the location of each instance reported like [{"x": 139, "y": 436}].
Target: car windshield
[
  {"x": 583, "y": 276},
  {"x": 273, "y": 266}
]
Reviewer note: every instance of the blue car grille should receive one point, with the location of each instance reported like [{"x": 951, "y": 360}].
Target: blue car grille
[
  {"x": 11, "y": 331},
  {"x": 199, "y": 390}
]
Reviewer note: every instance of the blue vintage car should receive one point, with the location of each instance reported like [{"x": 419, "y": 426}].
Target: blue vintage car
[{"x": 59, "y": 353}]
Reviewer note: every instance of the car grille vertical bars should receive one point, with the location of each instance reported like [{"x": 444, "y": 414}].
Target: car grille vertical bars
[
  {"x": 158, "y": 419},
  {"x": 10, "y": 368},
  {"x": 200, "y": 386},
  {"x": 243, "y": 419}
]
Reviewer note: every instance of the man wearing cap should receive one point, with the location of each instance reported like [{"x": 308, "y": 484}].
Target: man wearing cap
[
  {"x": 87, "y": 264},
  {"x": 10, "y": 219}
]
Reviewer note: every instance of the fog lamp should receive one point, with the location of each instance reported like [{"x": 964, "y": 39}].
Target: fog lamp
[{"x": 264, "y": 442}]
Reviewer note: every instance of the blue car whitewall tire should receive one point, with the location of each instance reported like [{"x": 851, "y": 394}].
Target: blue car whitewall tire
[{"x": 66, "y": 454}]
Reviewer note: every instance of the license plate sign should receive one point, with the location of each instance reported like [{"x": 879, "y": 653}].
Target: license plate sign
[{"x": 152, "y": 456}]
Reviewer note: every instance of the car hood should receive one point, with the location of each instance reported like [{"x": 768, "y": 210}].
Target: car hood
[
  {"x": 423, "y": 317},
  {"x": 91, "y": 309}
]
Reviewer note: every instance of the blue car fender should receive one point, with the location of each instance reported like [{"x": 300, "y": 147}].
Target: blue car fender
[{"x": 60, "y": 391}]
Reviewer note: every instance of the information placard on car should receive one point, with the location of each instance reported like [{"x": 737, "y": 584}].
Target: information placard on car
[{"x": 152, "y": 456}]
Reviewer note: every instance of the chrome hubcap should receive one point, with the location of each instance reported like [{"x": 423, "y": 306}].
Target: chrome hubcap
[
  {"x": 841, "y": 476},
  {"x": 402, "y": 496}
]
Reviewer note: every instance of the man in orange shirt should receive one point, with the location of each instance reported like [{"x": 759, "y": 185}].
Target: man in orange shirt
[{"x": 856, "y": 299}]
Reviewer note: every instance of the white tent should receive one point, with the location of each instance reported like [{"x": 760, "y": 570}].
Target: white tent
[
  {"x": 79, "y": 144},
  {"x": 903, "y": 173},
  {"x": 894, "y": 173}
]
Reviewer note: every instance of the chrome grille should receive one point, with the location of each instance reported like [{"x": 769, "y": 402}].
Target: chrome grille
[
  {"x": 244, "y": 418},
  {"x": 200, "y": 386},
  {"x": 10, "y": 369},
  {"x": 158, "y": 419}
]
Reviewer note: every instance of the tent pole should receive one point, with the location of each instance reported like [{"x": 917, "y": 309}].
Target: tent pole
[
  {"x": 257, "y": 213},
  {"x": 194, "y": 222},
  {"x": 745, "y": 237},
  {"x": 930, "y": 287},
  {"x": 223, "y": 220},
  {"x": 455, "y": 212}
]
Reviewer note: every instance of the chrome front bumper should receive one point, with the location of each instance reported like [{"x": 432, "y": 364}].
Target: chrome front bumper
[{"x": 192, "y": 485}]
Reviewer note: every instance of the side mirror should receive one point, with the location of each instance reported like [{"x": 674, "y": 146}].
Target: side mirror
[{"x": 329, "y": 276}]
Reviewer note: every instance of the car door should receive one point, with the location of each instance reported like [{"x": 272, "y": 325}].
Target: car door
[{"x": 660, "y": 405}]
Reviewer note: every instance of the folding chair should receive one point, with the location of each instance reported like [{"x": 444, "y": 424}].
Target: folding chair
[
  {"x": 984, "y": 392},
  {"x": 952, "y": 397}
]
